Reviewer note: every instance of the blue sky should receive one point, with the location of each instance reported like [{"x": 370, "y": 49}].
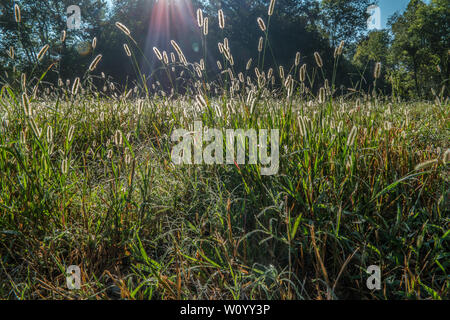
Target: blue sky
[{"x": 389, "y": 7}]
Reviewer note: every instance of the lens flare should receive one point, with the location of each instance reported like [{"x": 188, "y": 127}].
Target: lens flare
[{"x": 173, "y": 19}]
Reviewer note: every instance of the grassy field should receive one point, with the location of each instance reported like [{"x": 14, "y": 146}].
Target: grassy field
[{"x": 87, "y": 180}]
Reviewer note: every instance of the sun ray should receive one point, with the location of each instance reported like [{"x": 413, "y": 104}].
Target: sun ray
[{"x": 171, "y": 19}]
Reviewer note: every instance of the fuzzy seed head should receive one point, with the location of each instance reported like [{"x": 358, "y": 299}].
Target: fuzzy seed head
[
  {"x": 303, "y": 73},
  {"x": 322, "y": 95},
  {"x": 123, "y": 28},
  {"x": 118, "y": 138},
  {"x": 201, "y": 101},
  {"x": 341, "y": 47},
  {"x": 205, "y": 27},
  {"x": 176, "y": 47},
  {"x": 318, "y": 59},
  {"x": 95, "y": 62},
  {"x": 42, "y": 52},
  {"x": 261, "y": 24},
  {"x": 260, "y": 44},
  {"x": 352, "y": 136},
  {"x": 17, "y": 13},
  {"x": 271, "y": 7},
  {"x": 64, "y": 166},
  {"x": 377, "y": 71},
  {"x": 127, "y": 50},
  {"x": 281, "y": 70},
  {"x": 221, "y": 19},
  {"x": 157, "y": 53},
  {"x": 200, "y": 18},
  {"x": 226, "y": 44},
  {"x": 446, "y": 157},
  {"x": 11, "y": 52},
  {"x": 26, "y": 105},
  {"x": 297, "y": 59},
  {"x": 249, "y": 64},
  {"x": 425, "y": 165},
  {"x": 70, "y": 133},
  {"x": 23, "y": 81},
  {"x": 75, "y": 86}
]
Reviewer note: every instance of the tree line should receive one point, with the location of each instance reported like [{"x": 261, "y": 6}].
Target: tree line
[{"x": 413, "y": 49}]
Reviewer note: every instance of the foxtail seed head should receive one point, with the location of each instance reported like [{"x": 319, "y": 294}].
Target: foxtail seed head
[
  {"x": 205, "y": 26},
  {"x": 176, "y": 47},
  {"x": 200, "y": 18},
  {"x": 17, "y": 13},
  {"x": 303, "y": 73},
  {"x": 352, "y": 136},
  {"x": 42, "y": 52},
  {"x": 26, "y": 105},
  {"x": 70, "y": 133},
  {"x": 157, "y": 53},
  {"x": 75, "y": 86},
  {"x": 322, "y": 95},
  {"x": 426, "y": 164},
  {"x": 249, "y": 64},
  {"x": 49, "y": 134},
  {"x": 261, "y": 24},
  {"x": 127, "y": 49},
  {"x": 123, "y": 28},
  {"x": 281, "y": 70},
  {"x": 318, "y": 59},
  {"x": 226, "y": 44},
  {"x": 95, "y": 62},
  {"x": 297, "y": 59},
  {"x": 341, "y": 47},
  {"x": 64, "y": 166},
  {"x": 271, "y": 7},
  {"x": 23, "y": 80},
  {"x": 446, "y": 157},
  {"x": 221, "y": 19},
  {"x": 201, "y": 101},
  {"x": 377, "y": 71},
  {"x": 118, "y": 138}
]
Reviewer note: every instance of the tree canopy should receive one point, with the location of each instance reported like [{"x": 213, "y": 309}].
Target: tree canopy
[{"x": 415, "y": 47}]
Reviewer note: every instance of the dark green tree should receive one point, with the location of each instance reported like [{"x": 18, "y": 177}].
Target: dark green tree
[
  {"x": 42, "y": 23},
  {"x": 421, "y": 42},
  {"x": 344, "y": 19}
]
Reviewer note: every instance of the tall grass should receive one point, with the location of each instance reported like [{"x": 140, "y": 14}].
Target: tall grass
[{"x": 86, "y": 179}]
